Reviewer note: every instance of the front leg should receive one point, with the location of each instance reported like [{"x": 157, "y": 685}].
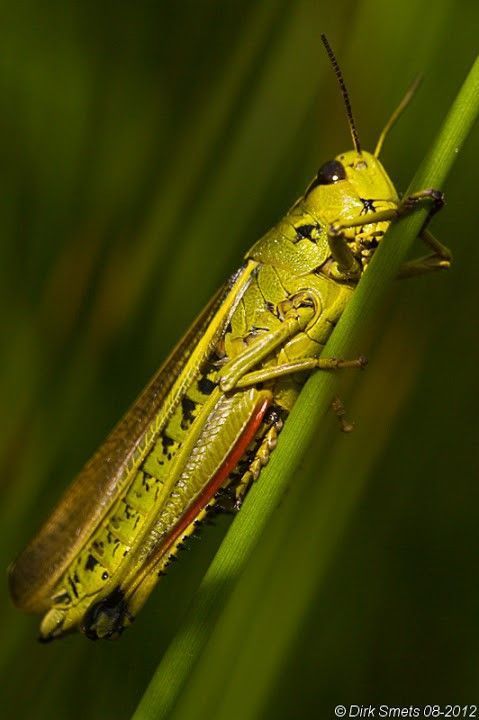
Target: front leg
[
  {"x": 298, "y": 366},
  {"x": 429, "y": 195},
  {"x": 348, "y": 267},
  {"x": 439, "y": 259}
]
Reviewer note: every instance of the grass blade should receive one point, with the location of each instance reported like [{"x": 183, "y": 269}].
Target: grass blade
[{"x": 187, "y": 647}]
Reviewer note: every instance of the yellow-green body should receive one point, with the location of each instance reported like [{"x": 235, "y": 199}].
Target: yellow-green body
[{"x": 96, "y": 560}]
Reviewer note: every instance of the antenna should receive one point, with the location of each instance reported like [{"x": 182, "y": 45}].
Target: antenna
[
  {"x": 344, "y": 92},
  {"x": 398, "y": 111}
]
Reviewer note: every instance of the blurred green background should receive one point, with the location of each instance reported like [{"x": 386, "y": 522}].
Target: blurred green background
[{"x": 145, "y": 146}]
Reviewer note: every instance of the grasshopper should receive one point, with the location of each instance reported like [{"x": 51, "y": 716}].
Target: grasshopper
[{"x": 203, "y": 428}]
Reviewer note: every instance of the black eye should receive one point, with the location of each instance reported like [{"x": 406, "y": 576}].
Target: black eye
[{"x": 330, "y": 173}]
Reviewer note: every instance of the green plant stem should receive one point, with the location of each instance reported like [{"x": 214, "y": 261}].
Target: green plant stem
[{"x": 182, "y": 655}]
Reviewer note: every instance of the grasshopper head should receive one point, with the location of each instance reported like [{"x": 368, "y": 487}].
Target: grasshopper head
[
  {"x": 353, "y": 184},
  {"x": 348, "y": 193},
  {"x": 347, "y": 180},
  {"x": 366, "y": 176}
]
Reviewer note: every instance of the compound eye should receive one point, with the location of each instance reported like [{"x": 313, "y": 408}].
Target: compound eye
[{"x": 331, "y": 172}]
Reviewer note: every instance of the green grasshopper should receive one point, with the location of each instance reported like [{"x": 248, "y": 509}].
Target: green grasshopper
[{"x": 207, "y": 423}]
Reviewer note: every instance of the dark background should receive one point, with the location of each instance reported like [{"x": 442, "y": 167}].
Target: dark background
[{"x": 145, "y": 146}]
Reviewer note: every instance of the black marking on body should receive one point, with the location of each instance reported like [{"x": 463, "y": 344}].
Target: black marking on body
[
  {"x": 166, "y": 444},
  {"x": 271, "y": 307},
  {"x": 305, "y": 232},
  {"x": 188, "y": 407},
  {"x": 113, "y": 540},
  {"x": 371, "y": 242},
  {"x": 99, "y": 547},
  {"x": 225, "y": 501},
  {"x": 216, "y": 357},
  {"x": 205, "y": 385},
  {"x": 149, "y": 481},
  {"x": 145, "y": 480},
  {"x": 368, "y": 206},
  {"x": 129, "y": 512},
  {"x": 275, "y": 413},
  {"x": 91, "y": 562},
  {"x": 73, "y": 587}
]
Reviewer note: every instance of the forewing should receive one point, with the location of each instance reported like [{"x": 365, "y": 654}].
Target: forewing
[{"x": 95, "y": 488}]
